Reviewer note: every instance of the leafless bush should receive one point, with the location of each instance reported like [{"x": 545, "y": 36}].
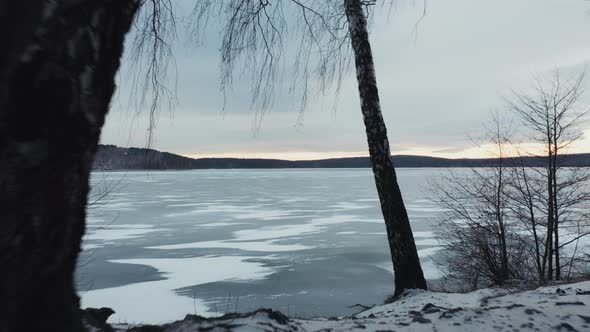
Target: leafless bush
[
  {"x": 482, "y": 244},
  {"x": 523, "y": 218},
  {"x": 556, "y": 198}
]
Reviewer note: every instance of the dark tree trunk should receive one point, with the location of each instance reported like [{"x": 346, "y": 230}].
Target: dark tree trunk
[
  {"x": 555, "y": 205},
  {"x": 501, "y": 225},
  {"x": 57, "y": 69},
  {"x": 406, "y": 265},
  {"x": 524, "y": 191},
  {"x": 531, "y": 210},
  {"x": 550, "y": 212}
]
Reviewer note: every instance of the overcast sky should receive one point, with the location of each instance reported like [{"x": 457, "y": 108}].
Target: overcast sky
[{"x": 437, "y": 85}]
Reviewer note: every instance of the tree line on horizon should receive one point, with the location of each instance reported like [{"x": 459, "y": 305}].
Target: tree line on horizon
[{"x": 111, "y": 157}]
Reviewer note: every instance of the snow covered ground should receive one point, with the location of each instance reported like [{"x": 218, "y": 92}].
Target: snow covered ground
[{"x": 553, "y": 308}]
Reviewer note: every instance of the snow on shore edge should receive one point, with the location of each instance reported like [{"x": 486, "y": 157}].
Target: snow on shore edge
[{"x": 552, "y": 308}]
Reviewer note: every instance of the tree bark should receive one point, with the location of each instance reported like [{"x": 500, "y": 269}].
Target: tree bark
[
  {"x": 500, "y": 218},
  {"x": 550, "y": 213},
  {"x": 406, "y": 264},
  {"x": 531, "y": 210},
  {"x": 57, "y": 68},
  {"x": 555, "y": 200}
]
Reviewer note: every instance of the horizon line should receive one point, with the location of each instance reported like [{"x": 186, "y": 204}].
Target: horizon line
[
  {"x": 366, "y": 156},
  {"x": 314, "y": 156}
]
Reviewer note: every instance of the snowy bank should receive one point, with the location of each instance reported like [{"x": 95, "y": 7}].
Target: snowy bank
[{"x": 553, "y": 308}]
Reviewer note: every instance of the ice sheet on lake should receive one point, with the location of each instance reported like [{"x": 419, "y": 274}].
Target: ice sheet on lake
[
  {"x": 427, "y": 242},
  {"x": 123, "y": 205},
  {"x": 424, "y": 208},
  {"x": 429, "y": 268},
  {"x": 108, "y": 234},
  {"x": 337, "y": 213},
  {"x": 157, "y": 302},
  {"x": 101, "y": 235},
  {"x": 90, "y": 246},
  {"x": 220, "y": 224},
  {"x": 368, "y": 200},
  {"x": 420, "y": 234},
  {"x": 258, "y": 212},
  {"x": 274, "y": 232},
  {"x": 265, "y": 239},
  {"x": 349, "y": 206},
  {"x": 264, "y": 246},
  {"x": 265, "y": 214},
  {"x": 138, "y": 226},
  {"x": 426, "y": 253}
]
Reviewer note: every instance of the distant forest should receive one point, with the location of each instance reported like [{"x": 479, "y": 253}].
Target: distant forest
[{"x": 111, "y": 157}]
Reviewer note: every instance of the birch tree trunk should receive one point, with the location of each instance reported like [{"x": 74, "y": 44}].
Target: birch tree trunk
[
  {"x": 406, "y": 265},
  {"x": 57, "y": 68}
]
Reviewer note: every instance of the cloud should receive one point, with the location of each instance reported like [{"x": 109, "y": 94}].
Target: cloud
[{"x": 437, "y": 83}]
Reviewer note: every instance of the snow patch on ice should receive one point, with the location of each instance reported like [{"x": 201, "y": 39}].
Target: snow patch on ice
[
  {"x": 101, "y": 235},
  {"x": 108, "y": 234},
  {"x": 424, "y": 208},
  {"x": 264, "y": 246},
  {"x": 428, "y": 234},
  {"x": 258, "y": 212},
  {"x": 349, "y": 206},
  {"x": 265, "y": 238},
  {"x": 155, "y": 302},
  {"x": 220, "y": 224}
]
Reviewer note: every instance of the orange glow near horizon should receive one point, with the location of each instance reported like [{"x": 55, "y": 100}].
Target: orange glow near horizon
[
  {"x": 470, "y": 151},
  {"x": 483, "y": 151},
  {"x": 302, "y": 155}
]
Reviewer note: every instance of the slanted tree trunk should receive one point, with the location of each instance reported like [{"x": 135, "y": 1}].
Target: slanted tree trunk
[
  {"x": 57, "y": 69},
  {"x": 406, "y": 265}
]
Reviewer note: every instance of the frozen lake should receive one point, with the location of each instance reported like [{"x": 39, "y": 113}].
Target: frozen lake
[{"x": 308, "y": 242}]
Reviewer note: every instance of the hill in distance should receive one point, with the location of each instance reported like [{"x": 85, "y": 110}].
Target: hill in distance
[{"x": 111, "y": 157}]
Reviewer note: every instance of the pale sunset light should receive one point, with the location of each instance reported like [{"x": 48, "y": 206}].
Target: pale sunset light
[{"x": 438, "y": 83}]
